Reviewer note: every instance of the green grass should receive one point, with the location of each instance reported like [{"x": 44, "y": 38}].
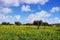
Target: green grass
[{"x": 24, "y": 32}]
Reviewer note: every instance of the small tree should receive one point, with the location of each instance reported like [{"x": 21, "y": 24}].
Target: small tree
[
  {"x": 17, "y": 23},
  {"x": 45, "y": 24},
  {"x": 38, "y": 23},
  {"x": 28, "y": 24},
  {"x": 5, "y": 23}
]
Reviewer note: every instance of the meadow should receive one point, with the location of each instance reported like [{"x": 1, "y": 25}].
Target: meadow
[{"x": 29, "y": 32}]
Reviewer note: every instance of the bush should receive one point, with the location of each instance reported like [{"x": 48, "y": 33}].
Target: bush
[
  {"x": 17, "y": 23},
  {"x": 38, "y": 23},
  {"x": 5, "y": 23}
]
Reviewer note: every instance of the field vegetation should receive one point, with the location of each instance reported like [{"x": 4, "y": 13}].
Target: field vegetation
[{"x": 29, "y": 32}]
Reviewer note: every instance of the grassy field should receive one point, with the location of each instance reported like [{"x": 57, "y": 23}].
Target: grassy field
[{"x": 24, "y": 32}]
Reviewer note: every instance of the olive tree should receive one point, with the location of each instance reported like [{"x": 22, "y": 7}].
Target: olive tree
[
  {"x": 38, "y": 23},
  {"x": 17, "y": 23}
]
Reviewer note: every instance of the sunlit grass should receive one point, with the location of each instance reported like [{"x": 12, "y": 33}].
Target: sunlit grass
[{"x": 29, "y": 32}]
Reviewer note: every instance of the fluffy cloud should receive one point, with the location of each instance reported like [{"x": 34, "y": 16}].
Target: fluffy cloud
[
  {"x": 18, "y": 2},
  {"x": 55, "y": 9},
  {"x": 17, "y": 17},
  {"x": 59, "y": 20},
  {"x": 11, "y": 19},
  {"x": 25, "y": 8},
  {"x": 43, "y": 15},
  {"x": 56, "y": 20},
  {"x": 42, "y": 2},
  {"x": 9, "y": 2},
  {"x": 3, "y": 17},
  {"x": 5, "y": 10}
]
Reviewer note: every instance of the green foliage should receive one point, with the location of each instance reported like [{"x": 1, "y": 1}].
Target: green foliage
[
  {"x": 38, "y": 23},
  {"x": 5, "y": 23},
  {"x": 45, "y": 24},
  {"x": 24, "y": 32},
  {"x": 17, "y": 23}
]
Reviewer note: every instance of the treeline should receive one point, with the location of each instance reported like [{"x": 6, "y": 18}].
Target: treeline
[
  {"x": 37, "y": 23},
  {"x": 7, "y": 23}
]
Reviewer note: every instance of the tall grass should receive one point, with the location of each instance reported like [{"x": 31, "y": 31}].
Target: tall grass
[{"x": 23, "y": 32}]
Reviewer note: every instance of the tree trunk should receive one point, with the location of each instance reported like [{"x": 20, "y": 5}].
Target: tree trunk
[
  {"x": 38, "y": 27},
  {"x": 44, "y": 27}
]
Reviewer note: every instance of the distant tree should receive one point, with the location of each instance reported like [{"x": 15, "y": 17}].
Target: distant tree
[
  {"x": 57, "y": 24},
  {"x": 35, "y": 22},
  {"x": 45, "y": 24},
  {"x": 5, "y": 23},
  {"x": 28, "y": 24},
  {"x": 38, "y": 23},
  {"x": 17, "y": 23}
]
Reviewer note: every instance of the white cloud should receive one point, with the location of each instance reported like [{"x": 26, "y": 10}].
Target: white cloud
[
  {"x": 17, "y": 17},
  {"x": 59, "y": 20},
  {"x": 42, "y": 2},
  {"x": 3, "y": 17},
  {"x": 25, "y": 8},
  {"x": 43, "y": 15},
  {"x": 9, "y": 2},
  {"x": 11, "y": 19},
  {"x": 5, "y": 10},
  {"x": 56, "y": 20},
  {"x": 55, "y": 9}
]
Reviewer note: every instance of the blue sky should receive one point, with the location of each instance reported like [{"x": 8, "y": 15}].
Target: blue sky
[{"x": 26, "y": 11}]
